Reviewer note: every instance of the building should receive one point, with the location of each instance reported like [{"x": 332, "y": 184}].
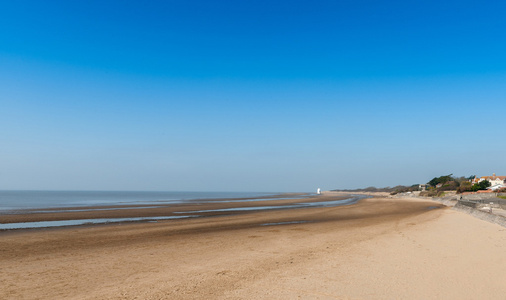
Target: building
[
  {"x": 494, "y": 180},
  {"x": 496, "y": 187}
]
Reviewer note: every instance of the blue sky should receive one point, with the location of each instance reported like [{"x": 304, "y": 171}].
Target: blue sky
[{"x": 257, "y": 96}]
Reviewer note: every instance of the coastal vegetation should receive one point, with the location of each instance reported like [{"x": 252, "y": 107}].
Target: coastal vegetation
[
  {"x": 437, "y": 186},
  {"x": 394, "y": 190}
]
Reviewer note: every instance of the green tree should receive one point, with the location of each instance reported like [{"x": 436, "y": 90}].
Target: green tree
[
  {"x": 482, "y": 185},
  {"x": 441, "y": 179}
]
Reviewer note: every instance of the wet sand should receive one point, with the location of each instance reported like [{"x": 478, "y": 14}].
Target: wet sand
[{"x": 380, "y": 248}]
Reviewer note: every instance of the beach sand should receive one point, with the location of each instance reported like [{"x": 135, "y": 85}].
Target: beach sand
[{"x": 380, "y": 248}]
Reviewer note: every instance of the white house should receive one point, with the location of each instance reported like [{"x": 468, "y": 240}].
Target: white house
[
  {"x": 496, "y": 187},
  {"x": 494, "y": 180}
]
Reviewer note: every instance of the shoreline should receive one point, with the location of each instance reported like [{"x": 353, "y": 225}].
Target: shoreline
[{"x": 197, "y": 208}]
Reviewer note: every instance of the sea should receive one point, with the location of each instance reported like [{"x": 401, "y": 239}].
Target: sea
[{"x": 21, "y": 200}]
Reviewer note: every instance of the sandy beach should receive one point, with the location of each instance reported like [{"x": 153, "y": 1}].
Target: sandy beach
[{"x": 379, "y": 248}]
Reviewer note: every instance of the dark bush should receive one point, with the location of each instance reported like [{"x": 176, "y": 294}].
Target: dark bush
[
  {"x": 482, "y": 185},
  {"x": 429, "y": 193},
  {"x": 449, "y": 186},
  {"x": 465, "y": 186}
]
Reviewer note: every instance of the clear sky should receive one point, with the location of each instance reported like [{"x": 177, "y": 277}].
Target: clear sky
[{"x": 249, "y": 95}]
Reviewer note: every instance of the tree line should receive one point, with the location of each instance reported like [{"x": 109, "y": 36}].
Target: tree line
[
  {"x": 436, "y": 186},
  {"x": 460, "y": 184}
]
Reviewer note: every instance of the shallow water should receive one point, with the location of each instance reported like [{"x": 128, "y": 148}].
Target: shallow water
[
  {"x": 258, "y": 199},
  {"x": 284, "y": 223},
  {"x": 433, "y": 207},
  {"x": 333, "y": 203},
  {"x": 44, "y": 224},
  {"x": 235, "y": 209},
  {"x": 75, "y": 210}
]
